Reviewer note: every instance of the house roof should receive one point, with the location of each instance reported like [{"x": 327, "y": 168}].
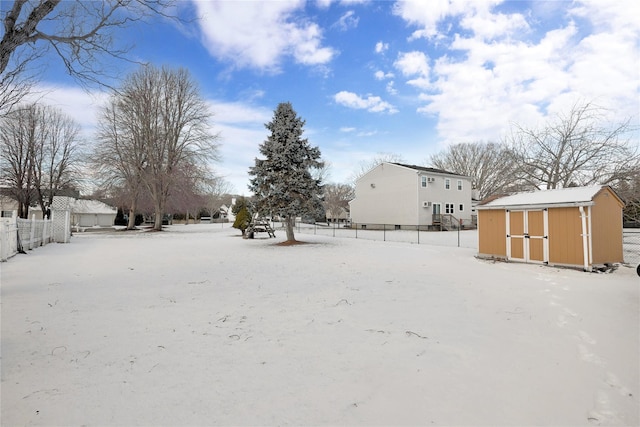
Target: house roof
[
  {"x": 571, "y": 196},
  {"x": 427, "y": 169},
  {"x": 82, "y": 206}
]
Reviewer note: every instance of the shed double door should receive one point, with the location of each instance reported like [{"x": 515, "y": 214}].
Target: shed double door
[{"x": 527, "y": 236}]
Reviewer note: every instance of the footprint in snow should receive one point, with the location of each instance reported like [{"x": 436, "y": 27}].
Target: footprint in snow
[
  {"x": 588, "y": 356},
  {"x": 586, "y": 338},
  {"x": 613, "y": 382}
]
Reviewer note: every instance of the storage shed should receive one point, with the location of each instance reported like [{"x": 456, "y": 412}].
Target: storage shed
[
  {"x": 92, "y": 213},
  {"x": 575, "y": 227}
]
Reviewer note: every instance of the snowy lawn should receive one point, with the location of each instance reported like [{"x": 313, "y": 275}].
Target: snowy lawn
[{"x": 196, "y": 326}]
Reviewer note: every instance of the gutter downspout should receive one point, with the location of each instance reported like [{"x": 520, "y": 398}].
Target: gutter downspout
[
  {"x": 590, "y": 237},
  {"x": 418, "y": 203},
  {"x": 585, "y": 239}
]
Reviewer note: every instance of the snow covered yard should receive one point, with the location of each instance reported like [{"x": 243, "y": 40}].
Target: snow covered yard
[{"x": 196, "y": 326}]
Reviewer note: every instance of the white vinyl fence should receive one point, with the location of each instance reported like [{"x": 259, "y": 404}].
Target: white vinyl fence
[{"x": 17, "y": 234}]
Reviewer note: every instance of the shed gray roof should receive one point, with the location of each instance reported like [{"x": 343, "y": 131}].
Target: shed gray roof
[
  {"x": 562, "y": 196},
  {"x": 82, "y": 206}
]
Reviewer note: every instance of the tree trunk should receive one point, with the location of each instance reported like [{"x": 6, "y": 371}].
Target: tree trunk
[
  {"x": 159, "y": 209},
  {"x": 23, "y": 209},
  {"x": 131, "y": 224},
  {"x": 290, "y": 223}
]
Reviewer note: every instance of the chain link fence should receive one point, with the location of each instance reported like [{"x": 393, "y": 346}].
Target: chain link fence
[
  {"x": 631, "y": 237},
  {"x": 459, "y": 238}
]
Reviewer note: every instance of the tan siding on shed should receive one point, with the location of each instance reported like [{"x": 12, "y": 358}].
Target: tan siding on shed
[
  {"x": 492, "y": 233},
  {"x": 565, "y": 236},
  {"x": 535, "y": 223},
  {"x": 606, "y": 220},
  {"x": 516, "y": 231}
]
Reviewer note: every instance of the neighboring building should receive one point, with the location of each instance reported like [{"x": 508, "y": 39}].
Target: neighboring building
[
  {"x": 8, "y": 205},
  {"x": 410, "y": 196},
  {"x": 576, "y": 227},
  {"x": 226, "y": 212},
  {"x": 92, "y": 213},
  {"x": 343, "y": 216}
]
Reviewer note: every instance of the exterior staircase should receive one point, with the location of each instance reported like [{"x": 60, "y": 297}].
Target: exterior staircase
[{"x": 445, "y": 222}]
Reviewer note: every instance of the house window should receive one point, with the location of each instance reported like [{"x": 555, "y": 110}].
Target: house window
[
  {"x": 461, "y": 208},
  {"x": 448, "y": 208},
  {"x": 447, "y": 183},
  {"x": 459, "y": 184},
  {"x": 423, "y": 181}
]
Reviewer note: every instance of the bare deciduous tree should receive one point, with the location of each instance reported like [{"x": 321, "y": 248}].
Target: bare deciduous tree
[
  {"x": 336, "y": 199},
  {"x": 629, "y": 190},
  {"x": 366, "y": 166},
  {"x": 118, "y": 157},
  {"x": 165, "y": 124},
  {"x": 79, "y": 32},
  {"x": 490, "y": 165},
  {"x": 60, "y": 157},
  {"x": 187, "y": 194},
  {"x": 577, "y": 148},
  {"x": 39, "y": 154},
  {"x": 216, "y": 190}
]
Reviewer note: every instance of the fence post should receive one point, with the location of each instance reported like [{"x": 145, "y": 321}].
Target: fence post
[
  {"x": 418, "y": 229},
  {"x": 384, "y": 232},
  {"x": 4, "y": 239},
  {"x": 32, "y": 237},
  {"x": 356, "y": 225}
]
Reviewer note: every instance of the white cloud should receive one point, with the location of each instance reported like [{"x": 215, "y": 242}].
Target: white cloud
[
  {"x": 381, "y": 75},
  {"x": 347, "y": 21},
  {"x": 607, "y": 15},
  {"x": 347, "y": 129},
  {"x": 75, "y": 102},
  {"x": 238, "y": 112},
  {"x": 391, "y": 88},
  {"x": 262, "y": 34},
  {"x": 490, "y": 26},
  {"x": 412, "y": 63},
  {"x": 324, "y": 4},
  {"x": 415, "y": 12},
  {"x": 367, "y": 133},
  {"x": 371, "y": 103},
  {"x": 489, "y": 79},
  {"x": 381, "y": 47}
]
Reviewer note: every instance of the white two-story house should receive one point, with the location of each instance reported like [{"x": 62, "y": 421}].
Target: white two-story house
[{"x": 406, "y": 196}]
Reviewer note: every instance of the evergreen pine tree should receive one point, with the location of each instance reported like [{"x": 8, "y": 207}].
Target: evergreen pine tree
[{"x": 282, "y": 181}]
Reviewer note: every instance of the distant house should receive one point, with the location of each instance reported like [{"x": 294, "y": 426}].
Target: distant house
[
  {"x": 9, "y": 206},
  {"x": 92, "y": 213},
  {"x": 226, "y": 212},
  {"x": 576, "y": 227},
  {"x": 342, "y": 215},
  {"x": 409, "y": 196}
]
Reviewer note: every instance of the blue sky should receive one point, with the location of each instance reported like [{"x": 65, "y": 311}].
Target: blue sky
[{"x": 372, "y": 77}]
